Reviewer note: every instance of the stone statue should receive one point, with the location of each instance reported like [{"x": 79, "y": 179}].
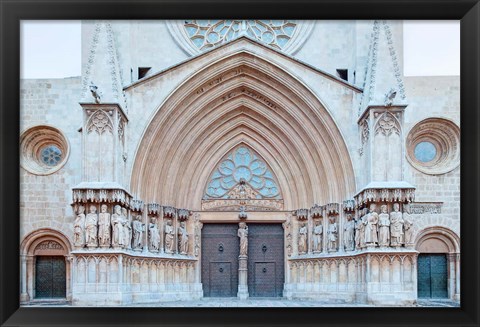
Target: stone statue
[
  {"x": 79, "y": 228},
  {"x": 243, "y": 234},
  {"x": 332, "y": 232},
  {"x": 302, "y": 239},
  {"x": 408, "y": 225},
  {"x": 317, "y": 237},
  {"x": 104, "y": 226},
  {"x": 371, "y": 232},
  {"x": 127, "y": 229},
  {"x": 396, "y": 226},
  {"x": 154, "y": 235},
  {"x": 349, "y": 233},
  {"x": 182, "y": 238},
  {"x": 361, "y": 228},
  {"x": 169, "y": 236},
  {"x": 91, "y": 227},
  {"x": 117, "y": 230},
  {"x": 137, "y": 228},
  {"x": 384, "y": 227}
]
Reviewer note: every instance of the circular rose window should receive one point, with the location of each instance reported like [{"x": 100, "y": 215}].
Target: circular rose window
[
  {"x": 43, "y": 150},
  {"x": 433, "y": 146}
]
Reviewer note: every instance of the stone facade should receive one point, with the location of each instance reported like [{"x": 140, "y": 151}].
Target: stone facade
[{"x": 312, "y": 126}]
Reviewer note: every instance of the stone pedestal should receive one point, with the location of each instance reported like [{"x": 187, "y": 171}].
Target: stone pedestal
[{"x": 242, "y": 277}]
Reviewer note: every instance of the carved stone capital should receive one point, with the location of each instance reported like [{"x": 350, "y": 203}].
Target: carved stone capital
[
  {"x": 183, "y": 214},
  {"x": 316, "y": 211},
  {"x": 153, "y": 208},
  {"x": 301, "y": 214},
  {"x": 136, "y": 205}
]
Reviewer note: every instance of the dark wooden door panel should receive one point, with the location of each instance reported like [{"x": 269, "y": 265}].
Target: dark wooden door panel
[
  {"x": 50, "y": 277},
  {"x": 220, "y": 251},
  {"x": 265, "y": 260}
]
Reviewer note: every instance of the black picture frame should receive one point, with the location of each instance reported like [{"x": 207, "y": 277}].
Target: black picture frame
[{"x": 13, "y": 11}]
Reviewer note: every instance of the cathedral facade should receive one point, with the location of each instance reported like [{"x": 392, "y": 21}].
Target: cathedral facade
[{"x": 240, "y": 158}]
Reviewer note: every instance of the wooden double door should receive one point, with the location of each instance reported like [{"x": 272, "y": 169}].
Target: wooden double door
[
  {"x": 432, "y": 276},
  {"x": 50, "y": 277},
  {"x": 220, "y": 251}
]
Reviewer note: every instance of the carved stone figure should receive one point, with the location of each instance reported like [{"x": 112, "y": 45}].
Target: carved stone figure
[
  {"x": 91, "y": 228},
  {"x": 371, "y": 232},
  {"x": 79, "y": 228},
  {"x": 243, "y": 234},
  {"x": 396, "y": 226},
  {"x": 154, "y": 236},
  {"x": 349, "y": 233},
  {"x": 384, "y": 227},
  {"x": 362, "y": 227},
  {"x": 317, "y": 237},
  {"x": 302, "y": 239},
  {"x": 117, "y": 230},
  {"x": 198, "y": 232},
  {"x": 332, "y": 232},
  {"x": 127, "y": 229},
  {"x": 408, "y": 225},
  {"x": 182, "y": 238},
  {"x": 169, "y": 237},
  {"x": 104, "y": 226},
  {"x": 137, "y": 228}
]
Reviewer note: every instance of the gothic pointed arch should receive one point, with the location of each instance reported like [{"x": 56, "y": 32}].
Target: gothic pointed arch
[{"x": 242, "y": 98}]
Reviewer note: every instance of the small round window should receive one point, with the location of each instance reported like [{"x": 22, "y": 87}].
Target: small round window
[
  {"x": 51, "y": 155},
  {"x": 43, "y": 150},
  {"x": 425, "y": 151}
]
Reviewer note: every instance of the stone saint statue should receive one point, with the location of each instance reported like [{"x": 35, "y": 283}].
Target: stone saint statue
[
  {"x": 137, "y": 227},
  {"x": 154, "y": 235},
  {"x": 127, "y": 229},
  {"x": 317, "y": 237},
  {"x": 384, "y": 227},
  {"x": 332, "y": 235},
  {"x": 371, "y": 232},
  {"x": 104, "y": 226},
  {"x": 302, "y": 239},
  {"x": 91, "y": 227},
  {"x": 169, "y": 236},
  {"x": 361, "y": 228},
  {"x": 182, "y": 238},
  {"x": 79, "y": 228},
  {"x": 243, "y": 234},
  {"x": 396, "y": 226},
  {"x": 408, "y": 225},
  {"x": 117, "y": 222},
  {"x": 349, "y": 233}
]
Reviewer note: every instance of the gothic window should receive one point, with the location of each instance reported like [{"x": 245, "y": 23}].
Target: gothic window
[{"x": 242, "y": 171}]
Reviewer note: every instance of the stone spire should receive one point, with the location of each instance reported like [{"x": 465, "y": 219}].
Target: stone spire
[
  {"x": 102, "y": 78},
  {"x": 383, "y": 79}
]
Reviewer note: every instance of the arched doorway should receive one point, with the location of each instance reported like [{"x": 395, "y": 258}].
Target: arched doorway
[
  {"x": 438, "y": 263},
  {"x": 45, "y": 266}
]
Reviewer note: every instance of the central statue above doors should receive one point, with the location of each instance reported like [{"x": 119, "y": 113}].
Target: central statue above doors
[{"x": 242, "y": 178}]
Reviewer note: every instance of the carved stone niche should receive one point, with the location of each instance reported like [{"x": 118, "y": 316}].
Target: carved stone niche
[
  {"x": 183, "y": 214},
  {"x": 169, "y": 212},
  {"x": 302, "y": 214}
]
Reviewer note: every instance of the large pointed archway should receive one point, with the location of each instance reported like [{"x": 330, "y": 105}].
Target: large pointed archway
[{"x": 242, "y": 99}]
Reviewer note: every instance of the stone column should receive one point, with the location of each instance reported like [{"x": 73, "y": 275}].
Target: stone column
[
  {"x": 309, "y": 233},
  {"x": 341, "y": 223},
  {"x": 242, "y": 264},
  {"x": 325, "y": 231},
  {"x": 24, "y": 295},
  {"x": 457, "y": 277}
]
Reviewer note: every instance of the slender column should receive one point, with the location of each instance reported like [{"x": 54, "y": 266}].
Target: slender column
[
  {"x": 242, "y": 262},
  {"x": 341, "y": 219},
  {"x": 457, "y": 277},
  {"x": 24, "y": 295},
  {"x": 325, "y": 229},
  {"x": 310, "y": 229}
]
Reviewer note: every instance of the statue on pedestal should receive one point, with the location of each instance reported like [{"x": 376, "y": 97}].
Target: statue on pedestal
[
  {"x": 169, "y": 237},
  {"x": 243, "y": 234},
  {"x": 182, "y": 238},
  {"x": 349, "y": 233},
  {"x": 371, "y": 232},
  {"x": 317, "y": 237},
  {"x": 104, "y": 226},
  {"x": 396, "y": 226},
  {"x": 137, "y": 232},
  {"x": 384, "y": 227},
  {"x": 91, "y": 228},
  {"x": 117, "y": 222},
  {"x": 302, "y": 239},
  {"x": 408, "y": 225},
  {"x": 332, "y": 235},
  {"x": 79, "y": 228},
  {"x": 154, "y": 235}
]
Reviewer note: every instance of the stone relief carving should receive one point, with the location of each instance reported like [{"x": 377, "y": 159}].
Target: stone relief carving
[
  {"x": 182, "y": 238},
  {"x": 235, "y": 204},
  {"x": 137, "y": 228},
  {"x": 302, "y": 238},
  {"x": 153, "y": 235},
  {"x": 302, "y": 214},
  {"x": 371, "y": 232},
  {"x": 100, "y": 122},
  {"x": 384, "y": 227},
  {"x": 349, "y": 233},
  {"x": 396, "y": 226},
  {"x": 91, "y": 222},
  {"x": 79, "y": 227},
  {"x": 317, "y": 236},
  {"x": 287, "y": 226},
  {"x": 49, "y": 245},
  {"x": 422, "y": 208},
  {"x": 169, "y": 237},
  {"x": 364, "y": 134},
  {"x": 198, "y": 232},
  {"x": 387, "y": 124},
  {"x": 242, "y": 233},
  {"x": 332, "y": 232},
  {"x": 408, "y": 225},
  {"x": 104, "y": 226}
]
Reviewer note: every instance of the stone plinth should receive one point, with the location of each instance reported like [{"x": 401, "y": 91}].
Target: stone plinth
[{"x": 242, "y": 277}]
